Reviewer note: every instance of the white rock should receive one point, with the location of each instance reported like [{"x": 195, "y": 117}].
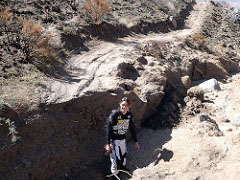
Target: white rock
[
  {"x": 224, "y": 128},
  {"x": 210, "y": 85}
]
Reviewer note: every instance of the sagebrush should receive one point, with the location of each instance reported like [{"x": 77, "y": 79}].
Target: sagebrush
[
  {"x": 26, "y": 35},
  {"x": 96, "y": 9}
]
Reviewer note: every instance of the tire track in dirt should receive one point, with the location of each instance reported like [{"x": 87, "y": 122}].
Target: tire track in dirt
[{"x": 81, "y": 67}]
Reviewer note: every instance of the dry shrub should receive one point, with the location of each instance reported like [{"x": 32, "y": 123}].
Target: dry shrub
[
  {"x": 96, "y": 9},
  {"x": 47, "y": 55},
  {"x": 200, "y": 39},
  {"x": 5, "y": 21},
  {"x": 34, "y": 46},
  {"x": 44, "y": 42},
  {"x": 26, "y": 35},
  {"x": 30, "y": 28},
  {"x": 6, "y": 16},
  {"x": 157, "y": 49}
]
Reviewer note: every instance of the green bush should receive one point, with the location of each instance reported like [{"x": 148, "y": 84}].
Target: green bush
[{"x": 11, "y": 128}]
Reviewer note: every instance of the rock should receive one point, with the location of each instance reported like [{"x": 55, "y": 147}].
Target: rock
[
  {"x": 236, "y": 122},
  {"x": 186, "y": 81},
  {"x": 196, "y": 92},
  {"x": 210, "y": 85},
  {"x": 204, "y": 117},
  {"x": 209, "y": 128},
  {"x": 224, "y": 128},
  {"x": 127, "y": 71},
  {"x": 142, "y": 60}
]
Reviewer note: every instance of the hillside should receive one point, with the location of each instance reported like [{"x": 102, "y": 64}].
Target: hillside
[
  {"x": 55, "y": 98},
  {"x": 195, "y": 149}
]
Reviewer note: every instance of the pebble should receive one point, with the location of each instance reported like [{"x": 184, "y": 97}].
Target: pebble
[{"x": 204, "y": 117}]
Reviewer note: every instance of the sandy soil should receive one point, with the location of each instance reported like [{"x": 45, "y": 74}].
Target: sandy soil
[{"x": 188, "y": 151}]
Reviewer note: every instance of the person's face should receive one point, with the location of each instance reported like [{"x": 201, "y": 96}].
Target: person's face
[{"x": 124, "y": 106}]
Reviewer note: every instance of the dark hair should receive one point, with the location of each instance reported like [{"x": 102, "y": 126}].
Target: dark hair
[{"x": 126, "y": 99}]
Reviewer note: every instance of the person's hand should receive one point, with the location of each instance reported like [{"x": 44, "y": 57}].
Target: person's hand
[
  {"x": 137, "y": 146},
  {"x": 108, "y": 148}
]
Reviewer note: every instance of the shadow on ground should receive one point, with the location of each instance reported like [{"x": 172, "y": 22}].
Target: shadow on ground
[{"x": 151, "y": 143}]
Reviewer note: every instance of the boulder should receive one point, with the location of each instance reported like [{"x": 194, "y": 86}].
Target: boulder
[
  {"x": 204, "y": 117},
  {"x": 210, "y": 85},
  {"x": 186, "y": 81},
  {"x": 196, "y": 92}
]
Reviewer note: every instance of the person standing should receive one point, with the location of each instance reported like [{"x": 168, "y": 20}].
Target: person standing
[{"x": 118, "y": 123}]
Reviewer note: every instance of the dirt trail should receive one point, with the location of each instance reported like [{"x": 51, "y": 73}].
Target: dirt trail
[
  {"x": 187, "y": 151},
  {"x": 83, "y": 68}
]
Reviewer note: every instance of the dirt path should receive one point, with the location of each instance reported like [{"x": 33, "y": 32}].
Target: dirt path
[
  {"x": 84, "y": 68},
  {"x": 187, "y": 151}
]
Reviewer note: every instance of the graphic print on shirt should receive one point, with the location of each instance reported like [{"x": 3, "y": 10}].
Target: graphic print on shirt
[{"x": 123, "y": 126}]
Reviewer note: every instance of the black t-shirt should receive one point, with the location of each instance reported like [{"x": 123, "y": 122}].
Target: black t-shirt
[{"x": 118, "y": 124}]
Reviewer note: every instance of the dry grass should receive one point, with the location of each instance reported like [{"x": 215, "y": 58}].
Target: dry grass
[
  {"x": 29, "y": 27},
  {"x": 47, "y": 55},
  {"x": 200, "y": 39},
  {"x": 19, "y": 96},
  {"x": 96, "y": 9},
  {"x": 6, "y": 16},
  {"x": 36, "y": 46},
  {"x": 27, "y": 34},
  {"x": 44, "y": 42}
]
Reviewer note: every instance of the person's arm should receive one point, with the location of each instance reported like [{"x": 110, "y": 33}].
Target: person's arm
[
  {"x": 109, "y": 132},
  {"x": 133, "y": 132}
]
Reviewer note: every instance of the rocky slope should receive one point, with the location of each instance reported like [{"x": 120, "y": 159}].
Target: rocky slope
[
  {"x": 197, "y": 148},
  {"x": 63, "y": 136}
]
